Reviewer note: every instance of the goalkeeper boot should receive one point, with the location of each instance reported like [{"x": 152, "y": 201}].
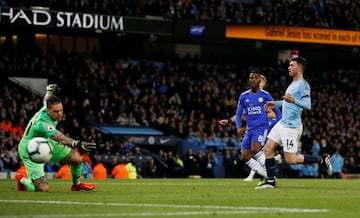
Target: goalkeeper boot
[
  {"x": 20, "y": 186},
  {"x": 83, "y": 186}
]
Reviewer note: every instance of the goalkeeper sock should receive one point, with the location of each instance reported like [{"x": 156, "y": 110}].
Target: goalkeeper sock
[
  {"x": 28, "y": 184},
  {"x": 76, "y": 173}
]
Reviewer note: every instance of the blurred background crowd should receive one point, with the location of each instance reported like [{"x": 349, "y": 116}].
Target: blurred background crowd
[
  {"x": 338, "y": 14},
  {"x": 182, "y": 96}
]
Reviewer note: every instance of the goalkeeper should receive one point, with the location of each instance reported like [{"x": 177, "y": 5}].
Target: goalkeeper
[{"x": 43, "y": 124}]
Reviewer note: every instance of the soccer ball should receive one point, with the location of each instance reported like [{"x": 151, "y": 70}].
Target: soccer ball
[{"x": 40, "y": 150}]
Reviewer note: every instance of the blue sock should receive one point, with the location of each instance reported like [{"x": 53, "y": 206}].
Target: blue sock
[
  {"x": 309, "y": 159},
  {"x": 270, "y": 169}
]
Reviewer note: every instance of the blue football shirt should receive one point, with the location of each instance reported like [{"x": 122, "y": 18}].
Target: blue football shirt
[{"x": 252, "y": 104}]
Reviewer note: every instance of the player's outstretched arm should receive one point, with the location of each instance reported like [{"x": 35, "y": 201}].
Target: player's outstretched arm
[
  {"x": 304, "y": 102},
  {"x": 225, "y": 122},
  {"x": 269, "y": 105}
]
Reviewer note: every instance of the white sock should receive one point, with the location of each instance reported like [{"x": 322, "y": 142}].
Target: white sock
[
  {"x": 260, "y": 157},
  {"x": 252, "y": 174},
  {"x": 255, "y": 165}
]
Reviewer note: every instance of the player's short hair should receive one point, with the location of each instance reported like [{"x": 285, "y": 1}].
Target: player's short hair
[
  {"x": 263, "y": 78},
  {"x": 300, "y": 60},
  {"x": 51, "y": 100},
  {"x": 256, "y": 71}
]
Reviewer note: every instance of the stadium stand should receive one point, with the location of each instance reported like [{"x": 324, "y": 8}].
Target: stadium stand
[{"x": 337, "y": 14}]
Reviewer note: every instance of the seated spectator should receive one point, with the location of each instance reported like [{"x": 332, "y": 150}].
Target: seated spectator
[
  {"x": 7, "y": 126},
  {"x": 338, "y": 162},
  {"x": 350, "y": 166},
  {"x": 99, "y": 170},
  {"x": 120, "y": 171},
  {"x": 178, "y": 160},
  {"x": 211, "y": 163},
  {"x": 9, "y": 163},
  {"x": 86, "y": 169},
  {"x": 309, "y": 171},
  {"x": 130, "y": 166},
  {"x": 174, "y": 169},
  {"x": 129, "y": 146},
  {"x": 86, "y": 158},
  {"x": 64, "y": 172},
  {"x": 153, "y": 170}
]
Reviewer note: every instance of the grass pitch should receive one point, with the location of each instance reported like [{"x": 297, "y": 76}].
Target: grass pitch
[{"x": 185, "y": 198}]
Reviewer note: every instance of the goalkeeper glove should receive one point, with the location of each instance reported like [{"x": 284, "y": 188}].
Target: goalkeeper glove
[
  {"x": 54, "y": 88},
  {"x": 85, "y": 146}
]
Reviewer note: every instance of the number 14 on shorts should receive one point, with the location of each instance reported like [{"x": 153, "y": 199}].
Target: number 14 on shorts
[{"x": 289, "y": 143}]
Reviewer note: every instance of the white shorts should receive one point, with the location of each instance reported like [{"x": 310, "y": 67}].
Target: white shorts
[{"x": 288, "y": 138}]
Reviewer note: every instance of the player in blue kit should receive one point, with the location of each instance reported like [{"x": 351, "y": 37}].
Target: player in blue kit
[
  {"x": 251, "y": 103},
  {"x": 272, "y": 115},
  {"x": 287, "y": 132}
]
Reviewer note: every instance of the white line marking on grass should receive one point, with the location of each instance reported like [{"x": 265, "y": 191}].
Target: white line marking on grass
[
  {"x": 219, "y": 209},
  {"x": 141, "y": 214},
  {"x": 144, "y": 214}
]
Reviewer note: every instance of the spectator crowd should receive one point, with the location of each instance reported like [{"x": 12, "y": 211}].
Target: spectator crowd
[
  {"x": 179, "y": 96},
  {"x": 337, "y": 14}
]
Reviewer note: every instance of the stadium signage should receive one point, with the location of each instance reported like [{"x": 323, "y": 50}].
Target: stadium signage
[
  {"x": 155, "y": 140},
  {"x": 295, "y": 34},
  {"x": 199, "y": 29},
  {"x": 61, "y": 19}
]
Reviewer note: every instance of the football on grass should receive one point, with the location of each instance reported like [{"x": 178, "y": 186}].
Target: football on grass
[{"x": 40, "y": 150}]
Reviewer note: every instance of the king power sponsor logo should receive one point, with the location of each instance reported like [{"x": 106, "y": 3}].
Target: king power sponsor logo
[{"x": 61, "y": 19}]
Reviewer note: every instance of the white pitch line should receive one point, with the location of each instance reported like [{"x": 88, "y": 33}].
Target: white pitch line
[
  {"x": 140, "y": 214},
  {"x": 134, "y": 183},
  {"x": 218, "y": 207}
]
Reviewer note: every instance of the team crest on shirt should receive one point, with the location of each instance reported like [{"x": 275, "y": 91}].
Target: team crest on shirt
[
  {"x": 50, "y": 128},
  {"x": 36, "y": 172},
  {"x": 260, "y": 99}
]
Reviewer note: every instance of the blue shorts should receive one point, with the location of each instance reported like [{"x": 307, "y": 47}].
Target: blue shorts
[{"x": 256, "y": 135}]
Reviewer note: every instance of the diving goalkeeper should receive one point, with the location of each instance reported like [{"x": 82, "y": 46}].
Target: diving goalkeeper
[{"x": 43, "y": 124}]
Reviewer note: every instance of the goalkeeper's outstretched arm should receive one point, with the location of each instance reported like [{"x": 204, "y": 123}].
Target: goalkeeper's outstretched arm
[
  {"x": 52, "y": 89},
  {"x": 72, "y": 143},
  {"x": 63, "y": 139}
]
